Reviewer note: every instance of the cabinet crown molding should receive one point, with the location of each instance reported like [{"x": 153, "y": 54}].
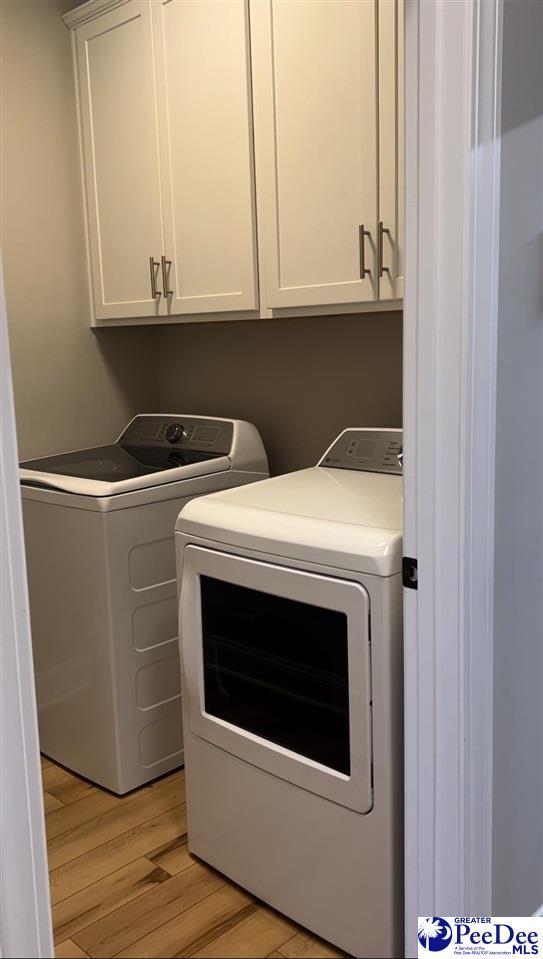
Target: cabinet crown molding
[{"x": 89, "y": 11}]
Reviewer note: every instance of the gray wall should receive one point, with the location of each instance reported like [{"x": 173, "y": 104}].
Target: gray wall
[
  {"x": 72, "y": 387},
  {"x": 300, "y": 380},
  {"x": 518, "y": 658}
]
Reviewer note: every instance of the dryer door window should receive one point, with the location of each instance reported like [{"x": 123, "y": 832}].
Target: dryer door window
[{"x": 278, "y": 668}]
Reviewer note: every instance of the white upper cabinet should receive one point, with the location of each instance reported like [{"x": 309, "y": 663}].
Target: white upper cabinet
[
  {"x": 200, "y": 119},
  {"x": 121, "y": 170},
  {"x": 315, "y": 101},
  {"x": 205, "y": 136},
  {"x": 391, "y": 150},
  {"x": 167, "y": 144}
]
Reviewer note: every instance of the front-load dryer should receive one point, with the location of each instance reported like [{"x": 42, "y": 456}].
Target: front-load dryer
[
  {"x": 291, "y": 649},
  {"x": 99, "y": 530}
]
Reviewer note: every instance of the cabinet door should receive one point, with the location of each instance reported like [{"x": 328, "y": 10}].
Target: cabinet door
[
  {"x": 203, "y": 68},
  {"x": 314, "y": 70},
  {"x": 119, "y": 134},
  {"x": 391, "y": 149}
]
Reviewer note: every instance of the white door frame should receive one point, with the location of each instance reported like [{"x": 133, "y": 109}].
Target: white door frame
[
  {"x": 25, "y": 910},
  {"x": 453, "y": 106}
]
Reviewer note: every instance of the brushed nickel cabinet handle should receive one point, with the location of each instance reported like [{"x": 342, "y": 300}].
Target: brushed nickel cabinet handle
[
  {"x": 382, "y": 230},
  {"x": 166, "y": 264},
  {"x": 362, "y": 234},
  {"x": 152, "y": 265}
]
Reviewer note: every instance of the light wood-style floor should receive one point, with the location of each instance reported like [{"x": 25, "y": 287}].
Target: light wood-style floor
[{"x": 124, "y": 884}]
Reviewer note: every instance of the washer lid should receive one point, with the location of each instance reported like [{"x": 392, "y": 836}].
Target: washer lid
[
  {"x": 153, "y": 449},
  {"x": 108, "y": 470},
  {"x": 337, "y": 517}
]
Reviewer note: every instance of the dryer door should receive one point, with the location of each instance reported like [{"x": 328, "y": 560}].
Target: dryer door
[{"x": 276, "y": 665}]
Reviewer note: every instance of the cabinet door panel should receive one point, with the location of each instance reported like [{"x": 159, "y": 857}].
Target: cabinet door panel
[
  {"x": 391, "y": 146},
  {"x": 203, "y": 64},
  {"x": 314, "y": 69},
  {"x": 118, "y": 117}
]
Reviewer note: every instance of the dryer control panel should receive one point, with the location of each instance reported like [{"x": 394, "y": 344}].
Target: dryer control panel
[
  {"x": 201, "y": 434},
  {"x": 370, "y": 450}
]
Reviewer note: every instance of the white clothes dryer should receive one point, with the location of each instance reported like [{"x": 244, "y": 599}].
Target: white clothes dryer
[
  {"x": 291, "y": 639},
  {"x": 99, "y": 530}
]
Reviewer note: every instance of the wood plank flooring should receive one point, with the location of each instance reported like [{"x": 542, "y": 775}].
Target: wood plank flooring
[{"x": 123, "y": 882}]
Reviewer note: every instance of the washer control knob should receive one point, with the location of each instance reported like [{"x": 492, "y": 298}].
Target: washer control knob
[{"x": 174, "y": 432}]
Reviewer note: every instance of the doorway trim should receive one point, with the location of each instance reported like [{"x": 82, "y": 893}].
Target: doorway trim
[
  {"x": 25, "y": 907},
  {"x": 453, "y": 116}
]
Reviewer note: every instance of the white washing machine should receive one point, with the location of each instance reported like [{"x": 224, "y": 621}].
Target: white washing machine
[
  {"x": 99, "y": 530},
  {"x": 291, "y": 639}
]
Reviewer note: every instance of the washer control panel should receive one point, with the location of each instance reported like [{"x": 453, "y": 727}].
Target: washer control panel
[
  {"x": 184, "y": 432},
  {"x": 374, "y": 451}
]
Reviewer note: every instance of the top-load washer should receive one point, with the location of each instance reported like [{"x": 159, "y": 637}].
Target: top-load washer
[
  {"x": 291, "y": 640},
  {"x": 99, "y": 530}
]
